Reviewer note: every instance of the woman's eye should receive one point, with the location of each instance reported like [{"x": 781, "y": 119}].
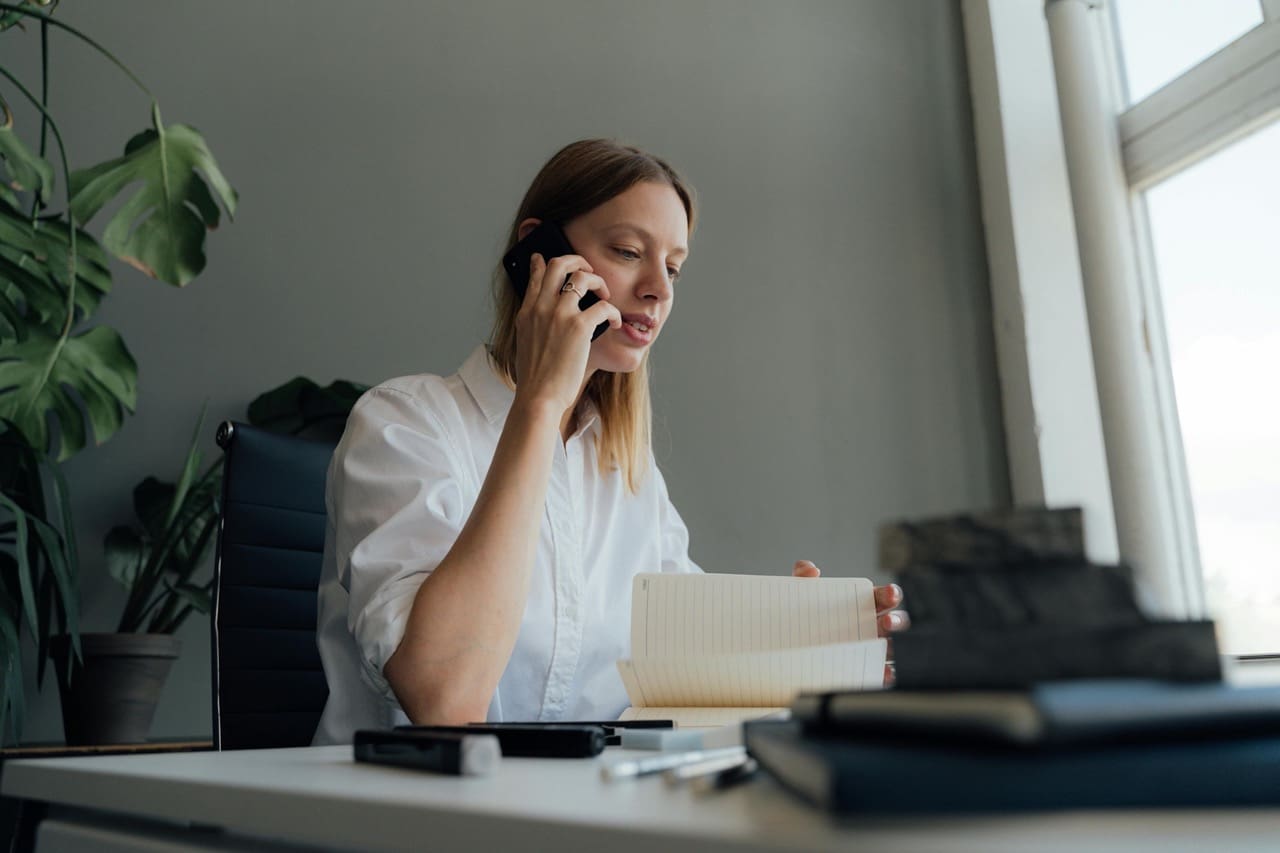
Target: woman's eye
[
  {"x": 673, "y": 272},
  {"x": 628, "y": 254}
]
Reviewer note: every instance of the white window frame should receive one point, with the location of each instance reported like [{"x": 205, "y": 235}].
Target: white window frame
[
  {"x": 1053, "y": 430},
  {"x": 1031, "y": 65},
  {"x": 1228, "y": 95}
]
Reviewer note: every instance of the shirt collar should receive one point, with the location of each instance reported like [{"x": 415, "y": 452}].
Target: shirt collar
[
  {"x": 480, "y": 375},
  {"x": 590, "y": 419},
  {"x": 482, "y": 379}
]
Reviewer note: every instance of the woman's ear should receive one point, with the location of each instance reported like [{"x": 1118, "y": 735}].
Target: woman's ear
[{"x": 527, "y": 226}]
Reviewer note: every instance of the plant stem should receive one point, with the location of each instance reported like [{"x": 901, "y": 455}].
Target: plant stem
[
  {"x": 44, "y": 84},
  {"x": 175, "y": 623},
  {"x": 44, "y": 99},
  {"x": 22, "y": 10},
  {"x": 130, "y": 625}
]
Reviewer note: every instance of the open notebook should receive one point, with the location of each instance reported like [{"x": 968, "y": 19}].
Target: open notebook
[{"x": 715, "y": 649}]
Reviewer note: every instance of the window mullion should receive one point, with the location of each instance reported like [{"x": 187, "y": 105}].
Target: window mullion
[
  {"x": 1141, "y": 483},
  {"x": 1229, "y": 94}
]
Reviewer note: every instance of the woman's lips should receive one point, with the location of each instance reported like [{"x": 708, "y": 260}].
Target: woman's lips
[
  {"x": 640, "y": 326},
  {"x": 636, "y": 335}
]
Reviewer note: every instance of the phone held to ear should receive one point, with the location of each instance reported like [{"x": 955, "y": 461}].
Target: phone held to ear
[{"x": 548, "y": 240}]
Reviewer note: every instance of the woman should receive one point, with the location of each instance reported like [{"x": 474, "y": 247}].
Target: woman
[{"x": 484, "y": 528}]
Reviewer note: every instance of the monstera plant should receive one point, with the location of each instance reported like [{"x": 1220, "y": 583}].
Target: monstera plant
[{"x": 65, "y": 380}]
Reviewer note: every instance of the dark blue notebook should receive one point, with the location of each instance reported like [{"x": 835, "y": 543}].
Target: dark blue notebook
[
  {"x": 849, "y": 776},
  {"x": 1049, "y": 714}
]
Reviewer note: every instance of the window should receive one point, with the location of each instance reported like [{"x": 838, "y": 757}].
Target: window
[
  {"x": 1201, "y": 147},
  {"x": 1215, "y": 233},
  {"x": 1160, "y": 39}
]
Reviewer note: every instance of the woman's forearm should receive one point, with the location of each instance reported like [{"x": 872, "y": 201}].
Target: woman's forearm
[{"x": 466, "y": 615}]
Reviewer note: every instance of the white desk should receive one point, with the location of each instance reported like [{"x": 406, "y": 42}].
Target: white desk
[{"x": 318, "y": 797}]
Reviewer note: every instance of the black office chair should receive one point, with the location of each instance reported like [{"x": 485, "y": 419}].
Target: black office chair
[{"x": 268, "y": 684}]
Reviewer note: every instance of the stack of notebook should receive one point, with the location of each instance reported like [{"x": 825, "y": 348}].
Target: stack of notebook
[{"x": 1082, "y": 744}]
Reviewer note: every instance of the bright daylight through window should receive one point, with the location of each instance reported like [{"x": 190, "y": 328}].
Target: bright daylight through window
[
  {"x": 1215, "y": 233},
  {"x": 1160, "y": 39}
]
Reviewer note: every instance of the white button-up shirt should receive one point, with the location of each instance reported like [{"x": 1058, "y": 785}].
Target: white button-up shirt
[{"x": 402, "y": 483}]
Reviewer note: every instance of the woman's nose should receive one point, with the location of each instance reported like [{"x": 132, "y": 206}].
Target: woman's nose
[{"x": 656, "y": 282}]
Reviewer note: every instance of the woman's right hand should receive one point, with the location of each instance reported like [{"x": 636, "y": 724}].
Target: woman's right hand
[{"x": 553, "y": 337}]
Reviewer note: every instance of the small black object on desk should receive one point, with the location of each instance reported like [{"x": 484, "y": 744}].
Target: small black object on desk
[
  {"x": 452, "y": 753},
  {"x": 525, "y": 740}
]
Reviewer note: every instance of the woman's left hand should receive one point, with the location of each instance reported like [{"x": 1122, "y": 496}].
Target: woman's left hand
[
  {"x": 888, "y": 599},
  {"x": 888, "y": 617}
]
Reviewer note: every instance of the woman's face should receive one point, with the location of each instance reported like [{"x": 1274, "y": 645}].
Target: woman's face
[{"x": 637, "y": 242}]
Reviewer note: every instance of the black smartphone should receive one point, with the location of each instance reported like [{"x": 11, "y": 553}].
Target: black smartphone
[{"x": 548, "y": 240}]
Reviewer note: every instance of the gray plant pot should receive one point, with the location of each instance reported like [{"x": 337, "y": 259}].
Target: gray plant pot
[{"x": 110, "y": 698}]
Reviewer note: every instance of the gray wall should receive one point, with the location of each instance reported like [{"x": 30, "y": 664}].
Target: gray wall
[{"x": 829, "y": 364}]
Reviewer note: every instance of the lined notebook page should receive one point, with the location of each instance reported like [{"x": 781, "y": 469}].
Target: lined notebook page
[
  {"x": 717, "y": 614},
  {"x": 756, "y": 678}
]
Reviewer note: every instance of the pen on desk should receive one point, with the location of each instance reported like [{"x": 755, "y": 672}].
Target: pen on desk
[
  {"x": 702, "y": 769},
  {"x": 726, "y": 778},
  {"x": 630, "y": 767}
]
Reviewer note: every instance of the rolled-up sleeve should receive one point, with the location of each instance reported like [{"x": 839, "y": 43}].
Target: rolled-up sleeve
[
  {"x": 399, "y": 498},
  {"x": 672, "y": 530}
]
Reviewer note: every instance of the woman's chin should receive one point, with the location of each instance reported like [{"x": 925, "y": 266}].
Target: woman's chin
[{"x": 620, "y": 359}]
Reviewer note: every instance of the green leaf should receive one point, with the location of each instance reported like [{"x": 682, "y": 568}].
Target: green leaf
[
  {"x": 54, "y": 547},
  {"x": 195, "y": 596},
  {"x": 36, "y": 554},
  {"x": 36, "y": 375},
  {"x": 41, "y": 564},
  {"x": 12, "y": 700},
  {"x": 33, "y": 272},
  {"x": 194, "y": 546},
  {"x": 125, "y": 552},
  {"x": 189, "y": 470},
  {"x": 26, "y": 171},
  {"x": 161, "y": 229},
  {"x": 9, "y": 18},
  {"x": 26, "y": 576},
  {"x": 61, "y": 505},
  {"x": 45, "y": 612},
  {"x": 199, "y": 598},
  {"x": 152, "y": 500},
  {"x": 300, "y": 405}
]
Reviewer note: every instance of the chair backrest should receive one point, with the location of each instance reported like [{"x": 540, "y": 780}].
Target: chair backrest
[{"x": 268, "y": 683}]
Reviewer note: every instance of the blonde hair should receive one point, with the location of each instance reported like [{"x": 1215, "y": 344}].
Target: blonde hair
[{"x": 579, "y": 178}]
